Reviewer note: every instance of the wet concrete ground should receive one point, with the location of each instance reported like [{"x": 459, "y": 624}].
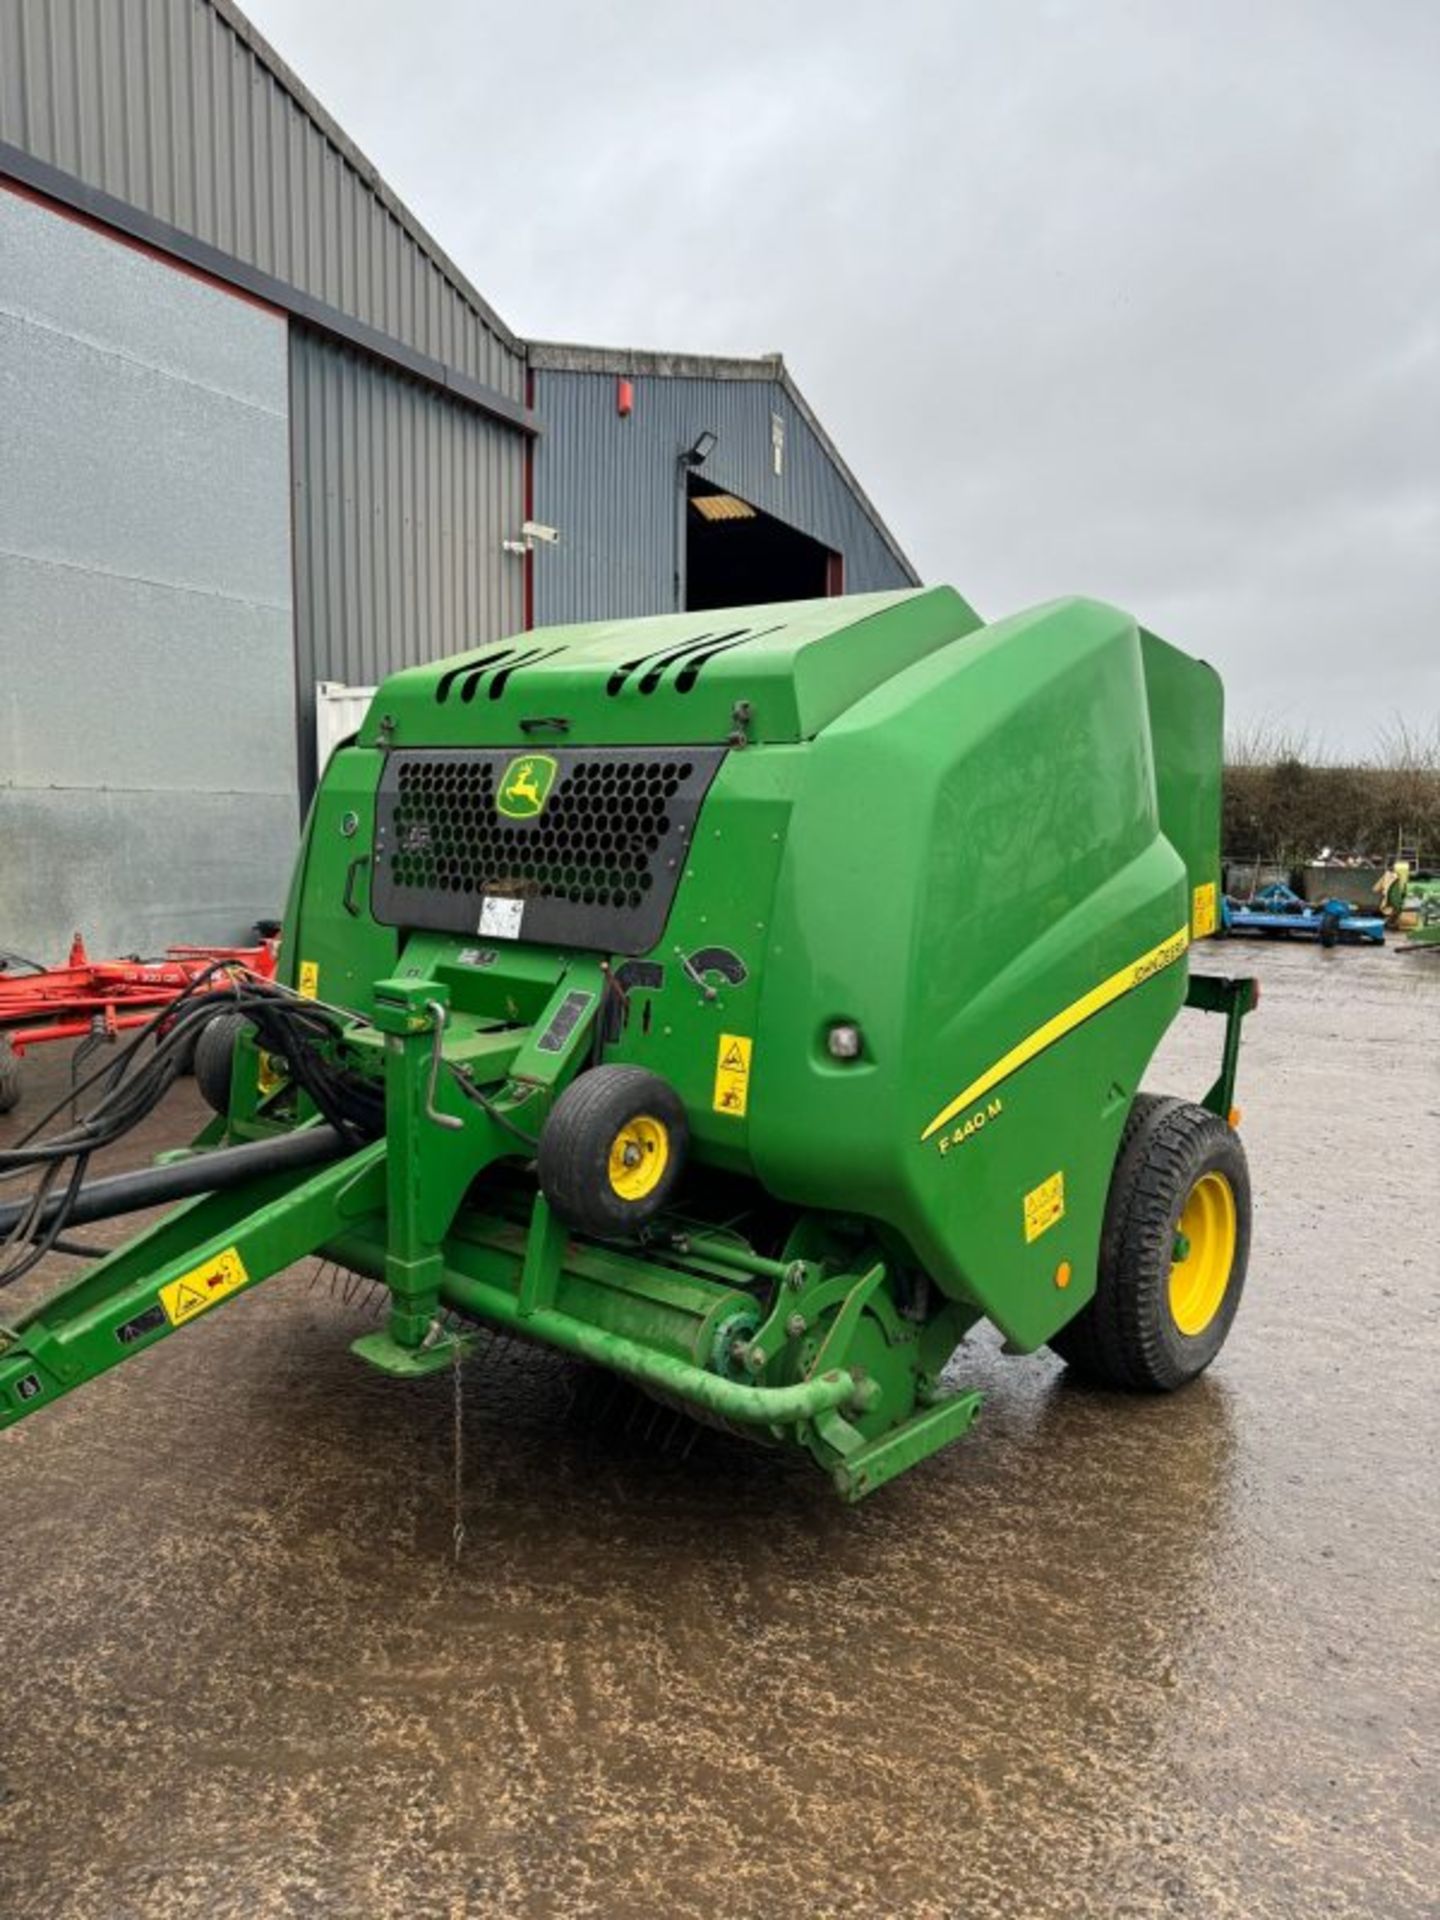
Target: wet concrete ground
[{"x": 1106, "y": 1657}]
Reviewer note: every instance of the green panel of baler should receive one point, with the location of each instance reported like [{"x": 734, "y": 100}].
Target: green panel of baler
[
  {"x": 334, "y": 949},
  {"x": 672, "y": 681},
  {"x": 974, "y": 850},
  {"x": 702, "y": 990},
  {"x": 1187, "y": 727}
]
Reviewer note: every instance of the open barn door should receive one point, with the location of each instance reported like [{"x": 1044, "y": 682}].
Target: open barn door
[{"x": 737, "y": 555}]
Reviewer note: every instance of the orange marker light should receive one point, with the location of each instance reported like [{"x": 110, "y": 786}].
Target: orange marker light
[
  {"x": 1062, "y": 1274},
  {"x": 1235, "y": 1116}
]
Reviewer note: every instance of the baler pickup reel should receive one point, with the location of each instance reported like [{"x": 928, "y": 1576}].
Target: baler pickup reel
[{"x": 692, "y": 1051}]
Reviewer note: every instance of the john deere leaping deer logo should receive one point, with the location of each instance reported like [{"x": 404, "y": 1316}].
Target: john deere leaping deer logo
[{"x": 525, "y": 786}]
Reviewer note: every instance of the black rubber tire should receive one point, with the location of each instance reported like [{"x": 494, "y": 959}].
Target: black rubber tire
[
  {"x": 1077, "y": 1341},
  {"x": 9, "y": 1076},
  {"x": 1126, "y": 1336},
  {"x": 574, "y": 1155},
  {"x": 1329, "y": 930},
  {"x": 215, "y": 1057},
  {"x": 194, "y": 1017}
]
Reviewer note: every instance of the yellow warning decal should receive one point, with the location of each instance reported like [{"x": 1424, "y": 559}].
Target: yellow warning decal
[
  {"x": 308, "y": 980},
  {"x": 1144, "y": 967},
  {"x": 203, "y": 1286},
  {"x": 1044, "y": 1205},
  {"x": 732, "y": 1074},
  {"x": 1202, "y": 911}
]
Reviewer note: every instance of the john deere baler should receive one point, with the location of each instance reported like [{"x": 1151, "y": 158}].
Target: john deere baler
[{"x": 749, "y": 1003}]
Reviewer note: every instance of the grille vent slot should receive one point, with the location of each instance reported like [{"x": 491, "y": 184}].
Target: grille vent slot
[
  {"x": 491, "y": 672},
  {"x": 498, "y": 666},
  {"x": 688, "y": 657}
]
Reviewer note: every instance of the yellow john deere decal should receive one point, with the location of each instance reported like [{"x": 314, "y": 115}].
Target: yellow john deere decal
[
  {"x": 1129, "y": 977},
  {"x": 525, "y": 786},
  {"x": 201, "y": 1287},
  {"x": 307, "y": 980}
]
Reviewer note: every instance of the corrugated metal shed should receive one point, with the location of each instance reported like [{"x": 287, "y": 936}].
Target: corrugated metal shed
[
  {"x": 611, "y": 484},
  {"x": 174, "y": 123},
  {"x": 147, "y": 752},
  {"x": 181, "y": 109},
  {"x": 403, "y": 500}
]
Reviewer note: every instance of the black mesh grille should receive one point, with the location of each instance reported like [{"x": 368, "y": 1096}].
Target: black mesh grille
[{"x": 596, "y": 866}]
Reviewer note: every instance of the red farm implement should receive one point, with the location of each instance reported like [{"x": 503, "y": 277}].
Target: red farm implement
[{"x": 94, "y": 1000}]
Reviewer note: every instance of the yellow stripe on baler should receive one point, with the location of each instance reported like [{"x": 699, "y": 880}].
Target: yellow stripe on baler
[{"x": 1133, "y": 975}]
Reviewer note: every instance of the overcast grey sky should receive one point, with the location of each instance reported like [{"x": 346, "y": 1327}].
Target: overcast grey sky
[{"x": 1139, "y": 300}]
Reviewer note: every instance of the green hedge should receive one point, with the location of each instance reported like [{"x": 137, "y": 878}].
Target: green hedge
[{"x": 1287, "y": 811}]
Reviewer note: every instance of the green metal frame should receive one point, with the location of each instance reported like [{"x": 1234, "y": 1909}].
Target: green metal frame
[{"x": 1216, "y": 993}]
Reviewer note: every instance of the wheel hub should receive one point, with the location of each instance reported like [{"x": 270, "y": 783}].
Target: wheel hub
[
  {"x": 1204, "y": 1254},
  {"x": 639, "y": 1154}
]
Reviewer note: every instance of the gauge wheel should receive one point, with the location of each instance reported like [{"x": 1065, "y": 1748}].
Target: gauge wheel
[
  {"x": 612, "y": 1150},
  {"x": 190, "y": 1021},
  {"x": 215, "y": 1058},
  {"x": 1173, "y": 1251}
]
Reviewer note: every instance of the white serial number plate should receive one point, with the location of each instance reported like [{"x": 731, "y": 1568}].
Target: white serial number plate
[{"x": 500, "y": 919}]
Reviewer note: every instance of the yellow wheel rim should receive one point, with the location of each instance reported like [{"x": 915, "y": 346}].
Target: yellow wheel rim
[
  {"x": 1204, "y": 1254},
  {"x": 639, "y": 1155}
]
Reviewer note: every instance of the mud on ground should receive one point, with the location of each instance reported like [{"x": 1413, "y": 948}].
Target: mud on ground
[{"x": 1107, "y": 1657}]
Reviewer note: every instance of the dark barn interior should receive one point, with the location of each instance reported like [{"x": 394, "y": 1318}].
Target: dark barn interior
[{"x": 736, "y": 555}]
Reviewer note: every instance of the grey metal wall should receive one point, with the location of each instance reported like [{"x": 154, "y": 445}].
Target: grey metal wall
[
  {"x": 179, "y": 108},
  {"x": 147, "y": 759},
  {"x": 610, "y": 485},
  {"x": 403, "y": 500}
]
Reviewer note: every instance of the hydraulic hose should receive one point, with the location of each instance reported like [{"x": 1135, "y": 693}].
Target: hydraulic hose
[{"x": 183, "y": 1179}]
